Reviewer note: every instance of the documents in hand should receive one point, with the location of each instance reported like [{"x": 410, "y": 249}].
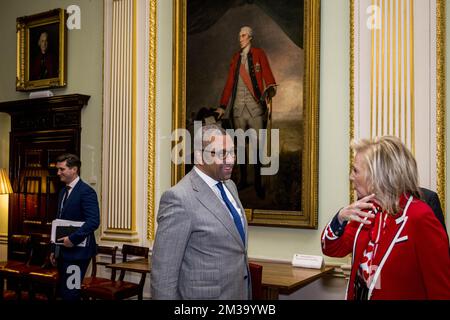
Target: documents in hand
[
  {"x": 64, "y": 228},
  {"x": 307, "y": 261}
]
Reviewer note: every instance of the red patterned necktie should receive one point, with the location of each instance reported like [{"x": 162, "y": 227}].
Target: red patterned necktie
[{"x": 366, "y": 268}]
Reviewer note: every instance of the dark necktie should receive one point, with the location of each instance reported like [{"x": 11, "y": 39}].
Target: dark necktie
[
  {"x": 63, "y": 203},
  {"x": 234, "y": 213},
  {"x": 66, "y": 195}
]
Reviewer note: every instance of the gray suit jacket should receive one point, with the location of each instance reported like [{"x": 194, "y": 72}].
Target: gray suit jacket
[{"x": 198, "y": 253}]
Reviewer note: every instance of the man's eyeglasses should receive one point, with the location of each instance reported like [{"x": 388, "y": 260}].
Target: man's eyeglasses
[{"x": 221, "y": 154}]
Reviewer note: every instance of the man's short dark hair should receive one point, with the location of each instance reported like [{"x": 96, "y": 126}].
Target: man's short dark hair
[
  {"x": 205, "y": 133},
  {"x": 71, "y": 159}
]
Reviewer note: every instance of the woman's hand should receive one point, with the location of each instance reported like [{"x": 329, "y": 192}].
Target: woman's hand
[{"x": 353, "y": 212}]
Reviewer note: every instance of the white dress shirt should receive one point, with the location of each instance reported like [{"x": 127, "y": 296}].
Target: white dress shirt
[{"x": 71, "y": 185}]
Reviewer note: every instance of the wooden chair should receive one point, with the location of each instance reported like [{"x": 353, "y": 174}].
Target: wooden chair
[
  {"x": 256, "y": 277},
  {"x": 19, "y": 247},
  {"x": 121, "y": 289},
  {"x": 19, "y": 274},
  {"x": 44, "y": 279},
  {"x": 93, "y": 279}
]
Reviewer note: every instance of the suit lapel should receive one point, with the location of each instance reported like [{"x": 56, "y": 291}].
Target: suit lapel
[
  {"x": 393, "y": 225},
  {"x": 211, "y": 202},
  {"x": 60, "y": 197},
  {"x": 390, "y": 231}
]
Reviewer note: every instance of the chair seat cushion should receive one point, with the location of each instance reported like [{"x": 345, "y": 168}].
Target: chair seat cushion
[
  {"x": 49, "y": 275},
  {"x": 93, "y": 281},
  {"x": 113, "y": 290},
  {"x": 10, "y": 263},
  {"x": 18, "y": 269},
  {"x": 12, "y": 295}
]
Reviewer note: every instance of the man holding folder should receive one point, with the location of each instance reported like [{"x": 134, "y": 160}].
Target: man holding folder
[{"x": 77, "y": 202}]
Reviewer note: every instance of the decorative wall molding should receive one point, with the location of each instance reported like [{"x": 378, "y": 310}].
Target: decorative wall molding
[
  {"x": 119, "y": 122},
  {"x": 398, "y": 79},
  {"x": 129, "y": 121},
  {"x": 151, "y": 173}
]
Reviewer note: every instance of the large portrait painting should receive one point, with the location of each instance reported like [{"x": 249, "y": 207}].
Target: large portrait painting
[
  {"x": 280, "y": 95},
  {"x": 41, "y": 50}
]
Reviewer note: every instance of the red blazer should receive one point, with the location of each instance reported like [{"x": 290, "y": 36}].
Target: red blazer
[
  {"x": 416, "y": 267},
  {"x": 262, "y": 73}
]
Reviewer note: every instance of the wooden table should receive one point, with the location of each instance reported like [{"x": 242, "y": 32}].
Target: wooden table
[
  {"x": 140, "y": 265},
  {"x": 282, "y": 277},
  {"x": 277, "y": 277}
]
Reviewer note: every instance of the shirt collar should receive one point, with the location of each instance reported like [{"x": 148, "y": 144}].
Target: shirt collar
[
  {"x": 209, "y": 181},
  {"x": 245, "y": 51},
  {"x": 74, "y": 182}
]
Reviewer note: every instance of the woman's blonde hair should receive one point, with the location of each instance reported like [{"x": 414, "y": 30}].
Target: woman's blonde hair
[{"x": 391, "y": 170}]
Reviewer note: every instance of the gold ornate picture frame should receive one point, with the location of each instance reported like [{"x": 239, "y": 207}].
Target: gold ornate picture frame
[
  {"x": 41, "y": 50},
  {"x": 204, "y": 42}
]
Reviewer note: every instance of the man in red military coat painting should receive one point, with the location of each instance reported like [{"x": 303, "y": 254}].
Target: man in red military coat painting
[{"x": 249, "y": 87}]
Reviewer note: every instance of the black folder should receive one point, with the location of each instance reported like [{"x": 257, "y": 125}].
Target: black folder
[{"x": 64, "y": 231}]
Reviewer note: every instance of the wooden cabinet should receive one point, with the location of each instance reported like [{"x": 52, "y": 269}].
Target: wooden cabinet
[{"x": 41, "y": 130}]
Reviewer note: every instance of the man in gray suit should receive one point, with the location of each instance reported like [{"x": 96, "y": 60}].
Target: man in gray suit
[{"x": 200, "y": 250}]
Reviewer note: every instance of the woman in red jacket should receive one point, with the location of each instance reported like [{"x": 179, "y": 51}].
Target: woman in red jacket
[{"x": 399, "y": 249}]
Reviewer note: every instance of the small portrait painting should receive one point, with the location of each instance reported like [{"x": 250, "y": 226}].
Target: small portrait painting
[
  {"x": 44, "y": 58},
  {"x": 41, "y": 50}
]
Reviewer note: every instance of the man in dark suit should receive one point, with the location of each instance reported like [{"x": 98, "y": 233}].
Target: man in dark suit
[{"x": 77, "y": 202}]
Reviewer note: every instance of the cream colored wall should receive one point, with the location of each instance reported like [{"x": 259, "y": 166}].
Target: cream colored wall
[
  {"x": 281, "y": 243},
  {"x": 84, "y": 70}
]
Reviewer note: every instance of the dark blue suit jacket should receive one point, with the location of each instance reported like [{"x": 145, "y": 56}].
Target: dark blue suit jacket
[{"x": 82, "y": 205}]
